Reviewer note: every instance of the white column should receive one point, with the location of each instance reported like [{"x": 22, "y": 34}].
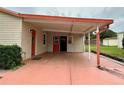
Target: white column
[
  {"x": 98, "y": 47},
  {"x": 84, "y": 43},
  {"x": 89, "y": 44}
]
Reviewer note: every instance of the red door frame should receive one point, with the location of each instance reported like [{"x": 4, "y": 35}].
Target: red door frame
[
  {"x": 56, "y": 47},
  {"x": 33, "y": 43}
]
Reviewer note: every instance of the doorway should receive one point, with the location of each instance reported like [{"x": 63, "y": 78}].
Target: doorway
[{"x": 63, "y": 43}]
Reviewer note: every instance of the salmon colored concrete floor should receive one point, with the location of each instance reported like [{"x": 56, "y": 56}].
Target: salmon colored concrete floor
[{"x": 63, "y": 69}]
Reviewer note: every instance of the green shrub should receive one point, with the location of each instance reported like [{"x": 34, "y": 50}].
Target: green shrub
[
  {"x": 10, "y": 56},
  {"x": 123, "y": 43}
]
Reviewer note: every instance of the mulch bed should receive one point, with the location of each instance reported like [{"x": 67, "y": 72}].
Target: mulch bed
[{"x": 113, "y": 57}]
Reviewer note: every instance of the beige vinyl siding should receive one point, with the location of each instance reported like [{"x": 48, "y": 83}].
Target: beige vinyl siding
[
  {"x": 27, "y": 41},
  {"x": 10, "y": 29}
]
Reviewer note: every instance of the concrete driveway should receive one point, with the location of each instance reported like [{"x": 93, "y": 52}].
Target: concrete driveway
[{"x": 64, "y": 69}]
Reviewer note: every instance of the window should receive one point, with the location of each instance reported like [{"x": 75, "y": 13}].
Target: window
[
  {"x": 44, "y": 38},
  {"x": 56, "y": 39},
  {"x": 70, "y": 40}
]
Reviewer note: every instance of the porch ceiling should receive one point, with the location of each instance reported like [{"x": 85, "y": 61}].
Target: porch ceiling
[{"x": 65, "y": 26}]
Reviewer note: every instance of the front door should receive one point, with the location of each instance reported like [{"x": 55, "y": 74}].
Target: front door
[
  {"x": 63, "y": 43},
  {"x": 33, "y": 43},
  {"x": 56, "y": 44}
]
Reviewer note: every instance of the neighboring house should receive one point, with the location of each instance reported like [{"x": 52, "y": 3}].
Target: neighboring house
[
  {"x": 112, "y": 41},
  {"x": 120, "y": 37},
  {"x": 37, "y": 34}
]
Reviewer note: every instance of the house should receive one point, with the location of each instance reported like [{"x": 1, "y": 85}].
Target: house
[
  {"x": 120, "y": 37},
  {"x": 112, "y": 41},
  {"x": 37, "y": 34}
]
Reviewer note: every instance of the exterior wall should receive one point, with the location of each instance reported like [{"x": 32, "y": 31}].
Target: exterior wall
[
  {"x": 27, "y": 41},
  {"x": 76, "y": 46},
  {"x": 50, "y": 42},
  {"x": 40, "y": 47},
  {"x": 110, "y": 42},
  {"x": 10, "y": 29},
  {"x": 120, "y": 37}
]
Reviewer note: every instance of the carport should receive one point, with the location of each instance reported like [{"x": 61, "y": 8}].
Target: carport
[{"x": 81, "y": 26}]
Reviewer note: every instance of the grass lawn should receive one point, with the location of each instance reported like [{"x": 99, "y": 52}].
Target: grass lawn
[{"x": 111, "y": 50}]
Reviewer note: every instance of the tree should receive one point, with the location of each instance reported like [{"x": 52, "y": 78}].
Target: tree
[
  {"x": 105, "y": 34},
  {"x": 108, "y": 34}
]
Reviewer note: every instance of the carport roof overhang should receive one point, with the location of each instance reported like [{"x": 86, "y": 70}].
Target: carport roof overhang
[
  {"x": 66, "y": 24},
  {"x": 62, "y": 24}
]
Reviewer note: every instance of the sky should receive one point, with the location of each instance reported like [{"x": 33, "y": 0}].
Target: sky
[{"x": 115, "y": 13}]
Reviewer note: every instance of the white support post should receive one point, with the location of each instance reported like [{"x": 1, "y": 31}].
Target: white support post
[
  {"x": 98, "y": 47},
  {"x": 89, "y": 45},
  {"x": 84, "y": 43}
]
